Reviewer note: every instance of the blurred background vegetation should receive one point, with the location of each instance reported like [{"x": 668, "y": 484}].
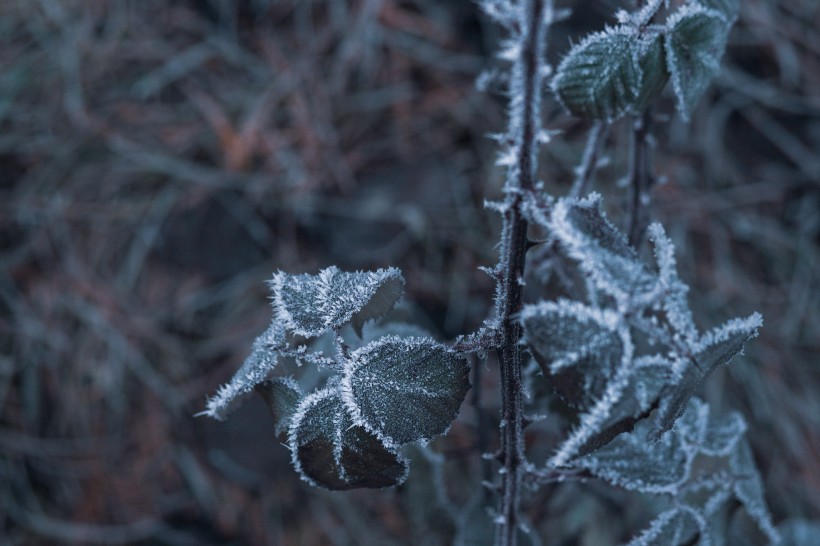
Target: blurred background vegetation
[{"x": 159, "y": 160}]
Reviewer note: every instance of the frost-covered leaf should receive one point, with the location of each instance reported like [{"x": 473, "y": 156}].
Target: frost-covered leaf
[
  {"x": 601, "y": 249},
  {"x": 405, "y": 389},
  {"x": 655, "y": 75},
  {"x": 282, "y": 395},
  {"x": 670, "y": 528},
  {"x": 610, "y": 73},
  {"x": 256, "y": 369},
  {"x": 695, "y": 41},
  {"x": 715, "y": 348},
  {"x": 578, "y": 347},
  {"x": 330, "y": 451},
  {"x": 675, "y": 305},
  {"x": 729, "y": 8},
  {"x": 748, "y": 489},
  {"x": 715, "y": 436},
  {"x": 639, "y": 398},
  {"x": 310, "y": 305},
  {"x": 633, "y": 462}
]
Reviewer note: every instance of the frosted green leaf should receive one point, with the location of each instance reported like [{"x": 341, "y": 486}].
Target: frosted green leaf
[
  {"x": 610, "y": 73},
  {"x": 600, "y": 249},
  {"x": 729, "y": 8},
  {"x": 639, "y": 398},
  {"x": 695, "y": 41},
  {"x": 715, "y": 436},
  {"x": 405, "y": 389},
  {"x": 254, "y": 370},
  {"x": 577, "y": 346},
  {"x": 310, "y": 305},
  {"x": 633, "y": 462},
  {"x": 715, "y": 348},
  {"x": 674, "y": 303},
  {"x": 655, "y": 75},
  {"x": 748, "y": 489},
  {"x": 282, "y": 395},
  {"x": 670, "y": 528},
  {"x": 328, "y": 450}
]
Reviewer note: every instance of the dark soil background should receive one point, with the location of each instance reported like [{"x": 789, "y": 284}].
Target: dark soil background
[{"x": 159, "y": 160}]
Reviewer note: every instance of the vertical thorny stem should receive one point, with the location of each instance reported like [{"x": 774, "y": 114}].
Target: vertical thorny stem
[{"x": 525, "y": 95}]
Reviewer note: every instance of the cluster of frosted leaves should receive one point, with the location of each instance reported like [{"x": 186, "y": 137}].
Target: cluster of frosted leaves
[
  {"x": 668, "y": 466},
  {"x": 310, "y": 305},
  {"x": 392, "y": 390},
  {"x": 622, "y": 69},
  {"x": 587, "y": 350}
]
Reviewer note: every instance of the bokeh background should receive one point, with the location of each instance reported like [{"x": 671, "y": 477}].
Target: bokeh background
[{"x": 160, "y": 159}]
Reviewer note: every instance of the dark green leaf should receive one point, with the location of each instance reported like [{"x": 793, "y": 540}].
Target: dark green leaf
[
  {"x": 729, "y": 8},
  {"x": 282, "y": 395},
  {"x": 405, "y": 389},
  {"x": 330, "y": 451},
  {"x": 577, "y": 347},
  {"x": 717, "y": 348},
  {"x": 600, "y": 249},
  {"x": 611, "y": 73},
  {"x": 310, "y": 305},
  {"x": 695, "y": 41}
]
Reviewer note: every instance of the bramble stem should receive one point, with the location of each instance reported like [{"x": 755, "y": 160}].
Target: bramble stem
[{"x": 525, "y": 88}]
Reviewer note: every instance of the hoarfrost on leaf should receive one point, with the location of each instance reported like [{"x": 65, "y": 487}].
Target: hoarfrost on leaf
[
  {"x": 729, "y": 8},
  {"x": 715, "y": 348},
  {"x": 310, "y": 305},
  {"x": 748, "y": 488},
  {"x": 611, "y": 73},
  {"x": 674, "y": 304},
  {"x": 405, "y": 389},
  {"x": 282, "y": 394},
  {"x": 254, "y": 370},
  {"x": 577, "y": 346},
  {"x": 633, "y": 462},
  {"x": 600, "y": 248},
  {"x": 715, "y": 436},
  {"x": 672, "y": 527},
  {"x": 329, "y": 450},
  {"x": 695, "y": 40}
]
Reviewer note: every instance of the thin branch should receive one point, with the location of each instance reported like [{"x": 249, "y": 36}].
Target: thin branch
[
  {"x": 534, "y": 16},
  {"x": 589, "y": 162}
]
